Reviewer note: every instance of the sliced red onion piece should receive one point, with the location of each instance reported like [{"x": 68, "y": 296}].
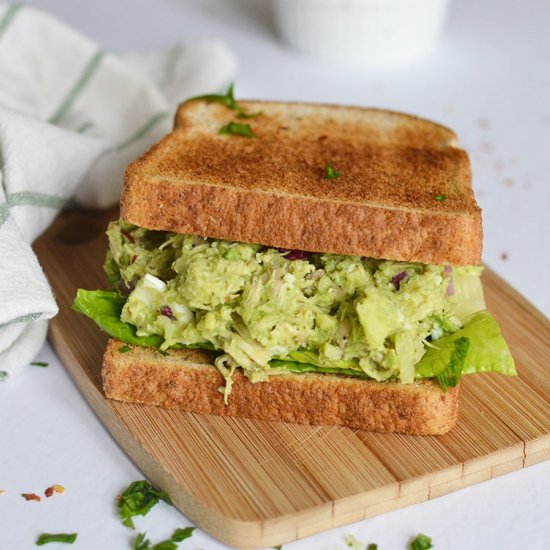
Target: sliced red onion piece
[
  {"x": 126, "y": 288},
  {"x": 167, "y": 312},
  {"x": 450, "y": 288},
  {"x": 448, "y": 270},
  {"x": 294, "y": 254},
  {"x": 396, "y": 279}
]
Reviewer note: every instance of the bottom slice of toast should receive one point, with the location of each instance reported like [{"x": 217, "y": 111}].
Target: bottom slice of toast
[{"x": 187, "y": 380}]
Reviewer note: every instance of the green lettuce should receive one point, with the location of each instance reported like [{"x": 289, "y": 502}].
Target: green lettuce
[
  {"x": 486, "y": 351},
  {"x": 104, "y": 307},
  {"x": 478, "y": 347}
]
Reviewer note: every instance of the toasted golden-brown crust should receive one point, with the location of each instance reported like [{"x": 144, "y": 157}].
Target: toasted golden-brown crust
[
  {"x": 186, "y": 379},
  {"x": 272, "y": 189}
]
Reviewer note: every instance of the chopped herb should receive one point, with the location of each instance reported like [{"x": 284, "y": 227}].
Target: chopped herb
[
  {"x": 421, "y": 542},
  {"x": 372, "y": 546},
  {"x": 244, "y": 115},
  {"x": 440, "y": 198},
  {"x": 353, "y": 543},
  {"x": 179, "y": 535},
  {"x": 124, "y": 349},
  {"x": 228, "y": 99},
  {"x": 39, "y": 364},
  {"x": 331, "y": 173},
  {"x": 164, "y": 353},
  {"x": 237, "y": 129},
  {"x": 137, "y": 500},
  {"x": 46, "y": 538},
  {"x": 141, "y": 543},
  {"x": 278, "y": 547},
  {"x": 3, "y": 375}
]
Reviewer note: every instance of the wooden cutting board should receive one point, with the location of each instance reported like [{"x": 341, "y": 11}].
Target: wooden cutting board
[{"x": 251, "y": 483}]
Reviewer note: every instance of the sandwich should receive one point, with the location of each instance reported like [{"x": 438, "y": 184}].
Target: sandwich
[{"x": 298, "y": 262}]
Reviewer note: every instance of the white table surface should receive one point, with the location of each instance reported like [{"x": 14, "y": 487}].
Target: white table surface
[{"x": 490, "y": 82}]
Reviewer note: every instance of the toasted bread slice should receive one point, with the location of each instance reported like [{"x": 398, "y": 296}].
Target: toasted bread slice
[
  {"x": 187, "y": 380},
  {"x": 272, "y": 189}
]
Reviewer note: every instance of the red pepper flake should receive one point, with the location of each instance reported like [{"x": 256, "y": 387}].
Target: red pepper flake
[
  {"x": 129, "y": 236},
  {"x": 31, "y": 496},
  {"x": 134, "y": 258},
  {"x": 54, "y": 488},
  {"x": 294, "y": 254}
]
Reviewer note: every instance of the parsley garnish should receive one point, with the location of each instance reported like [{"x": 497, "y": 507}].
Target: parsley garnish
[
  {"x": 39, "y": 364},
  {"x": 421, "y": 542},
  {"x": 46, "y": 538},
  {"x": 137, "y": 500},
  {"x": 331, "y": 173},
  {"x": 244, "y": 115},
  {"x": 124, "y": 349},
  {"x": 181, "y": 534},
  {"x": 141, "y": 543},
  {"x": 237, "y": 129},
  {"x": 372, "y": 546},
  {"x": 228, "y": 99},
  {"x": 440, "y": 198}
]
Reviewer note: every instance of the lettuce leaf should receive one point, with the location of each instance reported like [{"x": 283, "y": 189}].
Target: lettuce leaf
[
  {"x": 105, "y": 306},
  {"x": 478, "y": 347},
  {"x": 487, "y": 351}
]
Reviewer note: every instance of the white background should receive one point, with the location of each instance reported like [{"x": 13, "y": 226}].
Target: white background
[{"x": 490, "y": 82}]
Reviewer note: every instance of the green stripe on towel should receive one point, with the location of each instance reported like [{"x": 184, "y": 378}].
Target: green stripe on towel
[
  {"x": 23, "y": 319},
  {"x": 80, "y": 84},
  {"x": 29, "y": 198},
  {"x": 141, "y": 132},
  {"x": 8, "y": 16}
]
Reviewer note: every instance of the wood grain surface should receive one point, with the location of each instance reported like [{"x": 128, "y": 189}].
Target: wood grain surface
[{"x": 251, "y": 483}]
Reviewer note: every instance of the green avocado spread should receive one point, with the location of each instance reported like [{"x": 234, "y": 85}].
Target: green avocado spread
[{"x": 269, "y": 312}]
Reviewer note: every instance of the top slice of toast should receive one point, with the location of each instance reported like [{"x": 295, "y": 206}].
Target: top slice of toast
[{"x": 404, "y": 190}]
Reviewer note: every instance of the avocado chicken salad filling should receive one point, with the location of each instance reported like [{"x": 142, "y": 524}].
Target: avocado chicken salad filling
[{"x": 271, "y": 311}]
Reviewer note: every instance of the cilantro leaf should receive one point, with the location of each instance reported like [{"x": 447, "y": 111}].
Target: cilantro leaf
[
  {"x": 141, "y": 543},
  {"x": 331, "y": 173},
  {"x": 46, "y": 538},
  {"x": 165, "y": 545},
  {"x": 228, "y": 99},
  {"x": 181, "y": 534},
  {"x": 39, "y": 364},
  {"x": 124, "y": 349},
  {"x": 440, "y": 198},
  {"x": 244, "y": 115},
  {"x": 237, "y": 129},
  {"x": 421, "y": 542},
  {"x": 137, "y": 500}
]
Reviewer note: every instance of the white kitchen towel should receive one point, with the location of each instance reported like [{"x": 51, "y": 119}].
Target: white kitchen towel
[{"x": 72, "y": 116}]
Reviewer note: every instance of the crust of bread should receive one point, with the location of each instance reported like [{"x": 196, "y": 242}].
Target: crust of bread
[
  {"x": 187, "y": 380},
  {"x": 272, "y": 189}
]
